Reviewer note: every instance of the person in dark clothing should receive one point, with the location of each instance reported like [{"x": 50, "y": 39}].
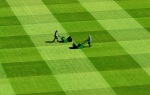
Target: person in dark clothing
[
  {"x": 69, "y": 39},
  {"x": 56, "y": 36},
  {"x": 89, "y": 40}
]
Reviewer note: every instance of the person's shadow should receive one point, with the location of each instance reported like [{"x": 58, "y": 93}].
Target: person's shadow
[
  {"x": 72, "y": 48},
  {"x": 52, "y": 42},
  {"x": 48, "y": 42}
]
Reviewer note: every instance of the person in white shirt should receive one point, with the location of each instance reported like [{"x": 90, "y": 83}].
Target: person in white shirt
[{"x": 89, "y": 40}]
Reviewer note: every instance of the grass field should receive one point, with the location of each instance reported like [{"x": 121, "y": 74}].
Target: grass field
[{"x": 118, "y": 63}]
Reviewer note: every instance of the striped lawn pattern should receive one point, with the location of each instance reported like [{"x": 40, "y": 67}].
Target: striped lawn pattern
[{"x": 116, "y": 64}]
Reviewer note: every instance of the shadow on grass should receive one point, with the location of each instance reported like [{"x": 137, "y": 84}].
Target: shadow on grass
[
  {"x": 79, "y": 48},
  {"x": 53, "y": 42},
  {"x": 72, "y": 48},
  {"x": 48, "y": 42}
]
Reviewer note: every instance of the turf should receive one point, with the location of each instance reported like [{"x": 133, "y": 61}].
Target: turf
[{"x": 116, "y": 64}]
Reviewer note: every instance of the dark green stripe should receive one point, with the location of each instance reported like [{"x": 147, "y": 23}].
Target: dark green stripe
[
  {"x": 133, "y": 90},
  {"x": 24, "y": 69},
  {"x": 3, "y": 3},
  {"x": 15, "y": 42},
  {"x": 46, "y": 93},
  {"x": 119, "y": 62},
  {"x": 137, "y": 13},
  {"x": 6, "y": 12},
  {"x": 148, "y": 29},
  {"x": 98, "y": 36},
  {"x": 66, "y": 8},
  {"x": 14, "y": 30},
  {"x": 70, "y": 17},
  {"x": 82, "y": 26},
  {"x": 50, "y": 2},
  {"x": 5, "y": 21},
  {"x": 145, "y": 22}
]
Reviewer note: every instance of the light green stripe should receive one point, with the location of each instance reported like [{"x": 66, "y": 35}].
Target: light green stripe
[
  {"x": 126, "y": 23},
  {"x": 120, "y": 24},
  {"x": 21, "y": 55},
  {"x": 59, "y": 52},
  {"x": 136, "y": 47},
  {"x": 23, "y": 12},
  {"x": 101, "y": 6}
]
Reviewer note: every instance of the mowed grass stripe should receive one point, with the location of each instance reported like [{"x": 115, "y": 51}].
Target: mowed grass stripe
[
  {"x": 138, "y": 13},
  {"x": 133, "y": 90},
  {"x": 3, "y": 3},
  {"x": 36, "y": 84},
  {"x": 19, "y": 55},
  {"x": 87, "y": 81},
  {"x": 114, "y": 63},
  {"x": 70, "y": 17},
  {"x": 23, "y": 11},
  {"x": 66, "y": 8},
  {"x": 29, "y": 19},
  {"x": 140, "y": 4},
  {"x": 46, "y": 93},
  {"x": 60, "y": 2},
  {"x": 14, "y": 30},
  {"x": 131, "y": 35},
  {"x": 5, "y": 21},
  {"x": 145, "y": 22},
  {"x": 6, "y": 12},
  {"x": 82, "y": 26},
  {"x": 136, "y": 47},
  {"x": 15, "y": 42},
  {"x": 70, "y": 66},
  {"x": 89, "y": 91},
  {"x": 25, "y": 69},
  {"x": 128, "y": 77}
]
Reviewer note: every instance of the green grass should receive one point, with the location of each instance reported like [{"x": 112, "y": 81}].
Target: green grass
[
  {"x": 116, "y": 64},
  {"x": 70, "y": 17},
  {"x": 47, "y": 2},
  {"x": 24, "y": 69},
  {"x": 5, "y": 21},
  {"x": 14, "y": 30},
  {"x": 82, "y": 26},
  {"x": 133, "y": 90},
  {"x": 3, "y": 3},
  {"x": 6, "y": 12},
  {"x": 15, "y": 42},
  {"x": 98, "y": 36},
  {"x": 66, "y": 8}
]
